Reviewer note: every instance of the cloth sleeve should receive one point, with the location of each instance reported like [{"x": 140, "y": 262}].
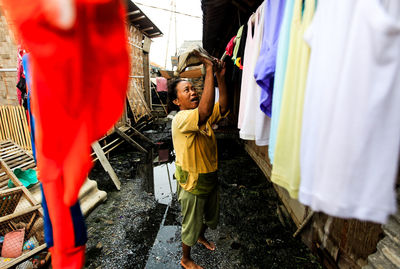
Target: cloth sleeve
[
  {"x": 188, "y": 121},
  {"x": 216, "y": 115}
]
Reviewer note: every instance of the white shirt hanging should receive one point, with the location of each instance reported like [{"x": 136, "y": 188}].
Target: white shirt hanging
[
  {"x": 351, "y": 121},
  {"x": 253, "y": 123}
]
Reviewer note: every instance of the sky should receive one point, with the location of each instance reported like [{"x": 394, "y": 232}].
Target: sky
[{"x": 187, "y": 28}]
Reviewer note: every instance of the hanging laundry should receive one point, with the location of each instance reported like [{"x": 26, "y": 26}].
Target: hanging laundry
[
  {"x": 350, "y": 143},
  {"x": 80, "y": 70},
  {"x": 280, "y": 74},
  {"x": 253, "y": 123},
  {"x": 161, "y": 84},
  {"x": 238, "y": 39},
  {"x": 230, "y": 46},
  {"x": 31, "y": 121},
  {"x": 21, "y": 89},
  {"x": 265, "y": 68},
  {"x": 286, "y": 168},
  {"x": 238, "y": 54}
]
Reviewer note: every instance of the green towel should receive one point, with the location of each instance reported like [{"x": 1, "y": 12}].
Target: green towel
[{"x": 27, "y": 177}]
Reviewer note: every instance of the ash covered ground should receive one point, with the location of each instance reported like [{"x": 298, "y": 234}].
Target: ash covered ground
[{"x": 133, "y": 230}]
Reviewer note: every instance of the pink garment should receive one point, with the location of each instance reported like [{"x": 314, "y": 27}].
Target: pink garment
[
  {"x": 230, "y": 46},
  {"x": 161, "y": 84},
  {"x": 20, "y": 71}
]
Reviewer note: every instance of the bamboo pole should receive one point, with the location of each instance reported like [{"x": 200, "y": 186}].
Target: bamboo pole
[
  {"x": 25, "y": 129},
  {"x": 305, "y": 222}
]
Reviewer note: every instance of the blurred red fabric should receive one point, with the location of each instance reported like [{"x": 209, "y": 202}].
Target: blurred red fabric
[{"x": 79, "y": 82}]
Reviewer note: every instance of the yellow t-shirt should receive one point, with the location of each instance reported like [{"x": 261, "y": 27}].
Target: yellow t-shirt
[{"x": 195, "y": 146}]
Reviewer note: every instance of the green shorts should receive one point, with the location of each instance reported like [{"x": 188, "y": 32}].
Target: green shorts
[{"x": 196, "y": 210}]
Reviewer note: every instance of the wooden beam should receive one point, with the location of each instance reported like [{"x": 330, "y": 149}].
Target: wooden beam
[
  {"x": 146, "y": 79},
  {"x": 133, "y": 12},
  {"x": 106, "y": 164},
  {"x": 147, "y": 29},
  {"x": 142, "y": 135},
  {"x": 149, "y": 172},
  {"x": 25, "y": 256},
  {"x": 130, "y": 140},
  {"x": 10, "y": 174},
  {"x": 20, "y": 213},
  {"x": 156, "y": 33},
  {"x": 138, "y": 18}
]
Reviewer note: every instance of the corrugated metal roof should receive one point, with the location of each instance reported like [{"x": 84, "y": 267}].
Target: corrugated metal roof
[
  {"x": 137, "y": 18},
  {"x": 222, "y": 19}
]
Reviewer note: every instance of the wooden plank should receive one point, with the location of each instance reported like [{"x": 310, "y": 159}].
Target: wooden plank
[
  {"x": 7, "y": 148},
  {"x": 19, "y": 213},
  {"x": 20, "y": 130},
  {"x": 296, "y": 210},
  {"x": 10, "y": 174},
  {"x": 14, "y": 126},
  {"x": 26, "y": 128},
  {"x": 4, "y": 182},
  {"x": 16, "y": 158},
  {"x": 29, "y": 196},
  {"x": 12, "y": 197},
  {"x": 15, "y": 129},
  {"x": 30, "y": 155},
  {"x": 7, "y": 123},
  {"x": 16, "y": 161},
  {"x": 2, "y": 127},
  {"x": 6, "y": 142},
  {"x": 106, "y": 164},
  {"x": 142, "y": 135},
  {"x": 26, "y": 165},
  {"x": 11, "y": 153},
  {"x": 130, "y": 140},
  {"x": 5, "y": 192},
  {"x": 146, "y": 79},
  {"x": 25, "y": 256}
]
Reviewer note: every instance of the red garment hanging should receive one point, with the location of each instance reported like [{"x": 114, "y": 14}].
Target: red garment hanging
[{"x": 79, "y": 82}]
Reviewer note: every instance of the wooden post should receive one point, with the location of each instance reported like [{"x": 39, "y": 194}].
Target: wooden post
[
  {"x": 106, "y": 164},
  {"x": 148, "y": 172},
  {"x": 130, "y": 140},
  {"x": 146, "y": 79}
]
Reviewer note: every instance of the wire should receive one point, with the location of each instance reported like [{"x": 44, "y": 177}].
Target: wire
[{"x": 177, "y": 12}]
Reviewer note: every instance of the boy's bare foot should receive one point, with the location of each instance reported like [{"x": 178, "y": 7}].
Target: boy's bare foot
[
  {"x": 189, "y": 264},
  {"x": 206, "y": 243}
]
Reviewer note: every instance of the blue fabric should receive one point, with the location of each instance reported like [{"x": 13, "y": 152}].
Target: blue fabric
[
  {"x": 265, "y": 67},
  {"x": 48, "y": 227},
  {"x": 79, "y": 225},
  {"x": 25, "y": 64},
  {"x": 280, "y": 72},
  {"x": 77, "y": 220}
]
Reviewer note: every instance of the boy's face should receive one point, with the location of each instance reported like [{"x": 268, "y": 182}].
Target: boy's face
[{"x": 187, "y": 97}]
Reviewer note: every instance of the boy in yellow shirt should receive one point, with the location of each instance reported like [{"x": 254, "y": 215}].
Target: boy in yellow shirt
[{"x": 196, "y": 155}]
